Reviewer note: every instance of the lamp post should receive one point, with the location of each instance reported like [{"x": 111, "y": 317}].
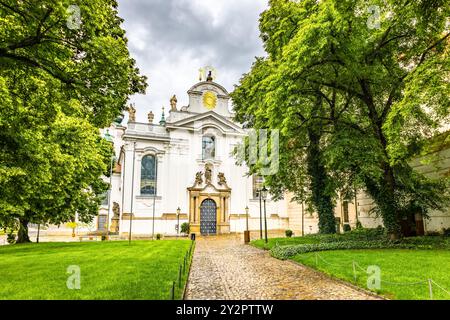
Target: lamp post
[
  {"x": 109, "y": 138},
  {"x": 132, "y": 193},
  {"x": 260, "y": 214},
  {"x": 264, "y": 197},
  {"x": 155, "y": 170},
  {"x": 178, "y": 221},
  {"x": 246, "y": 232}
]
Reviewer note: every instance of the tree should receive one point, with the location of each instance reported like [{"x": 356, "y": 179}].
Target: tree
[
  {"x": 79, "y": 43},
  {"x": 368, "y": 76},
  {"x": 58, "y": 83}
]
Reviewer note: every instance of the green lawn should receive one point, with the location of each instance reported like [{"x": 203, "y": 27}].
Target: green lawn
[
  {"x": 271, "y": 242},
  {"x": 399, "y": 268},
  {"x": 109, "y": 270}
]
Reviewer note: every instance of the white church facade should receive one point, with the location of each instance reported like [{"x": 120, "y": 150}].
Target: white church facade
[{"x": 182, "y": 170}]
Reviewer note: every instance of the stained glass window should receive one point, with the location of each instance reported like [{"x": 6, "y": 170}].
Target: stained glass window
[{"x": 148, "y": 175}]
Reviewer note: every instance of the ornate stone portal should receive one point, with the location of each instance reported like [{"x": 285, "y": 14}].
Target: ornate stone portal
[{"x": 207, "y": 200}]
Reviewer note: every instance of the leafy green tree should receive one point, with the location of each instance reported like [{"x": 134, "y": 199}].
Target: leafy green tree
[
  {"x": 79, "y": 43},
  {"x": 383, "y": 82},
  {"x": 59, "y": 81}
]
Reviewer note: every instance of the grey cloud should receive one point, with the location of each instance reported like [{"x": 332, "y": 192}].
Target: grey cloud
[{"x": 171, "y": 37}]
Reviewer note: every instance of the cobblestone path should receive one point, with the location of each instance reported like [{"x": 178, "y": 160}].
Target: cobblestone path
[{"x": 225, "y": 268}]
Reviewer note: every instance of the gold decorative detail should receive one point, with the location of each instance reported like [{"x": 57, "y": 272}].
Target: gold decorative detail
[
  {"x": 222, "y": 179},
  {"x": 173, "y": 103},
  {"x": 198, "y": 178},
  {"x": 208, "y": 173},
  {"x": 132, "y": 112},
  {"x": 116, "y": 210},
  {"x": 150, "y": 116},
  {"x": 209, "y": 100}
]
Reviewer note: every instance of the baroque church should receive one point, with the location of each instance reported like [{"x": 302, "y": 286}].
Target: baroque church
[{"x": 181, "y": 169}]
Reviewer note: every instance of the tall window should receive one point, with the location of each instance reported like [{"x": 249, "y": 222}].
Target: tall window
[
  {"x": 102, "y": 219},
  {"x": 208, "y": 147},
  {"x": 257, "y": 185},
  {"x": 148, "y": 175},
  {"x": 345, "y": 209}
]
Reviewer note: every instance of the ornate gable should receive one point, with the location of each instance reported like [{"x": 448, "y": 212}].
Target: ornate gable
[{"x": 204, "y": 120}]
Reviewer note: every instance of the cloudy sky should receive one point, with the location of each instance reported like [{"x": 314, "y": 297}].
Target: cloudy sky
[{"x": 172, "y": 39}]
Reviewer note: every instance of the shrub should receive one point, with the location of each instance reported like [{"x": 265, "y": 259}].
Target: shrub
[
  {"x": 355, "y": 234},
  {"x": 427, "y": 241},
  {"x": 285, "y": 252},
  {"x": 347, "y": 227},
  {"x": 289, "y": 233},
  {"x": 158, "y": 236},
  {"x": 446, "y": 232},
  {"x": 11, "y": 238},
  {"x": 359, "y": 225},
  {"x": 185, "y": 228}
]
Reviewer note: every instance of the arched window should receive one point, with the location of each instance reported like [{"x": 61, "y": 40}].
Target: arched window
[
  {"x": 208, "y": 147},
  {"x": 148, "y": 175}
]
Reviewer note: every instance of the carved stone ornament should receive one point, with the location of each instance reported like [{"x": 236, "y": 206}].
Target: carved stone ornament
[
  {"x": 132, "y": 112},
  {"x": 208, "y": 173},
  {"x": 222, "y": 179},
  {"x": 116, "y": 210},
  {"x": 150, "y": 117},
  {"x": 198, "y": 178},
  {"x": 173, "y": 103}
]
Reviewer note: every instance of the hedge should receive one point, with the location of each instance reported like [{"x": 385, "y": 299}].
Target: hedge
[{"x": 285, "y": 252}]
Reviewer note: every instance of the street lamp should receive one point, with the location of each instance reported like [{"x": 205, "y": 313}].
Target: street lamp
[
  {"x": 110, "y": 139},
  {"x": 132, "y": 194},
  {"x": 264, "y": 197},
  {"x": 178, "y": 221},
  {"x": 260, "y": 214},
  {"x": 246, "y": 232}
]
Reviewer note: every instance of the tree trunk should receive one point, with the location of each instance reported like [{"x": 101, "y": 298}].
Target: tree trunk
[
  {"x": 321, "y": 197},
  {"x": 390, "y": 215},
  {"x": 22, "y": 234},
  {"x": 382, "y": 192}
]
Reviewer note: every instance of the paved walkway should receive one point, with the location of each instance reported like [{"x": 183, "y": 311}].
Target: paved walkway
[{"x": 225, "y": 268}]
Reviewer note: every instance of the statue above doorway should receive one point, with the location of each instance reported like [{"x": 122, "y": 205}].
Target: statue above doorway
[{"x": 208, "y": 173}]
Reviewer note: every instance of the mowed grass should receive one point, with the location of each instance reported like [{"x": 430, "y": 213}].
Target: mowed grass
[
  {"x": 399, "y": 270},
  {"x": 272, "y": 242},
  {"x": 109, "y": 270}
]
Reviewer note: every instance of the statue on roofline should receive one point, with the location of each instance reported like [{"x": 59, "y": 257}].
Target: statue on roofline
[
  {"x": 132, "y": 112},
  {"x": 173, "y": 103}
]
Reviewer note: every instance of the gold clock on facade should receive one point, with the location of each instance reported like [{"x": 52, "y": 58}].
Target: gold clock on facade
[{"x": 209, "y": 100}]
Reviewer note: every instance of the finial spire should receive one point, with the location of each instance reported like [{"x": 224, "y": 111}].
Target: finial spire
[{"x": 163, "y": 118}]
